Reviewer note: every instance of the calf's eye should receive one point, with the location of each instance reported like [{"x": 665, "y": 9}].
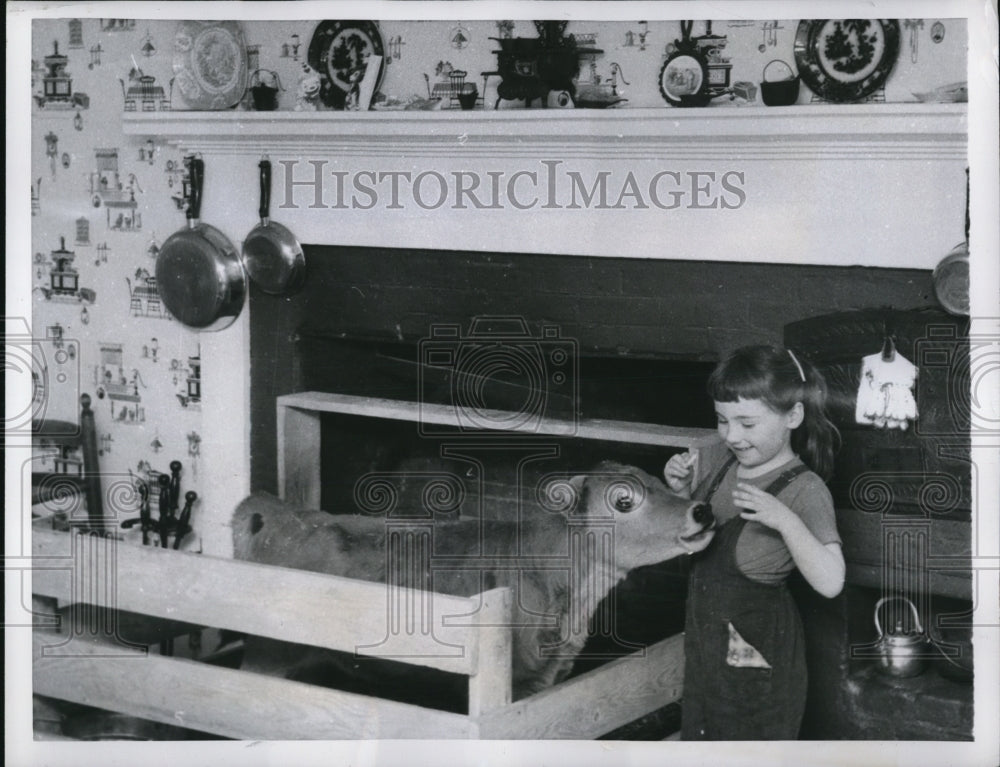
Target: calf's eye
[
  {"x": 624, "y": 503},
  {"x": 624, "y": 494}
]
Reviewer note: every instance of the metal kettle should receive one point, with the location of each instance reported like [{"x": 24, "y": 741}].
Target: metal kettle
[{"x": 901, "y": 654}]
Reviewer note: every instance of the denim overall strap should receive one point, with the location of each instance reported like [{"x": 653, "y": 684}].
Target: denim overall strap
[
  {"x": 717, "y": 479},
  {"x": 784, "y": 479}
]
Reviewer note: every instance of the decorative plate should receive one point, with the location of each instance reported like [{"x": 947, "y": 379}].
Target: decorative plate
[
  {"x": 210, "y": 63},
  {"x": 684, "y": 79},
  {"x": 846, "y": 59},
  {"x": 339, "y": 51}
]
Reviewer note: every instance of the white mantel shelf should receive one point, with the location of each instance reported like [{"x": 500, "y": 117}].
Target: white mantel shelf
[{"x": 864, "y": 132}]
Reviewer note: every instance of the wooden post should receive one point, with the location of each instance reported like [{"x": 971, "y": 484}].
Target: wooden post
[
  {"x": 299, "y": 456},
  {"x": 491, "y": 685},
  {"x": 91, "y": 471}
]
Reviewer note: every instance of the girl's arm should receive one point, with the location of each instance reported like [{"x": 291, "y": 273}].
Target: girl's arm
[{"x": 821, "y": 564}]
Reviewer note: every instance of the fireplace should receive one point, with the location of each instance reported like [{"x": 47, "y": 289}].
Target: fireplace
[{"x": 645, "y": 335}]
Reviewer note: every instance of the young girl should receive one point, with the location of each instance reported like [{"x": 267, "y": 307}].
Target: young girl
[{"x": 745, "y": 673}]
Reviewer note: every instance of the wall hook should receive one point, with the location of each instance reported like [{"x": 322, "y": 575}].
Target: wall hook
[{"x": 889, "y": 348}]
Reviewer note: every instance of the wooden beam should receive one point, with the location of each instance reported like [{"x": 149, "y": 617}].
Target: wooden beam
[
  {"x": 222, "y": 701},
  {"x": 597, "y": 702},
  {"x": 277, "y": 602},
  {"x": 446, "y": 415}
]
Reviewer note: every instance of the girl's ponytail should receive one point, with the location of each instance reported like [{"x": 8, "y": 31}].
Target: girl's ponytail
[{"x": 816, "y": 440}]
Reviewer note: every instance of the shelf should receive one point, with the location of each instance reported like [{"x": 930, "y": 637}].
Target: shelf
[
  {"x": 431, "y": 415},
  {"x": 909, "y": 130},
  {"x": 299, "y": 432}
]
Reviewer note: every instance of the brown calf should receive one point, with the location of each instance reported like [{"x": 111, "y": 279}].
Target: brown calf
[{"x": 583, "y": 535}]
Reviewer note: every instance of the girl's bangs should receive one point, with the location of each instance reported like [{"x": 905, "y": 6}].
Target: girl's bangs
[{"x": 732, "y": 384}]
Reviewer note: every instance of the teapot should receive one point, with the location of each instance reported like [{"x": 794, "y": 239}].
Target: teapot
[{"x": 901, "y": 654}]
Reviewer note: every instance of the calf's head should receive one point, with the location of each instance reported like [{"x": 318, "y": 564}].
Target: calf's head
[{"x": 651, "y": 524}]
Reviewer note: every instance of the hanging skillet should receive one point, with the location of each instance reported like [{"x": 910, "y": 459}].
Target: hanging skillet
[
  {"x": 198, "y": 271},
  {"x": 272, "y": 257}
]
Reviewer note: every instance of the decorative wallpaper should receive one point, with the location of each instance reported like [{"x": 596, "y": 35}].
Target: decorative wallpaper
[{"x": 102, "y": 203}]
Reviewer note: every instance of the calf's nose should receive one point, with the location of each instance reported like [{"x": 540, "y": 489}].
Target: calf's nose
[{"x": 702, "y": 514}]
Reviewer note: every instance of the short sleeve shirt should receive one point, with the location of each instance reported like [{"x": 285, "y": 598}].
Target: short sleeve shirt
[{"x": 761, "y": 553}]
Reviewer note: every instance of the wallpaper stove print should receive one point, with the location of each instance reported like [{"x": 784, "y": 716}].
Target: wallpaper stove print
[
  {"x": 189, "y": 380},
  {"x": 57, "y": 85},
  {"x": 63, "y": 278},
  {"x": 106, "y": 188}
]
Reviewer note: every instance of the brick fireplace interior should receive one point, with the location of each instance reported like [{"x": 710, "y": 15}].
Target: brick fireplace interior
[{"x": 646, "y": 333}]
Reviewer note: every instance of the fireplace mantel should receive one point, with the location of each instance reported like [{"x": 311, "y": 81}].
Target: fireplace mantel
[
  {"x": 806, "y": 176},
  {"x": 867, "y": 132}
]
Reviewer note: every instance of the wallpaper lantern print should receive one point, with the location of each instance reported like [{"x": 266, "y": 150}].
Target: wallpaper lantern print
[
  {"x": 82, "y": 231},
  {"x": 95, "y": 56},
  {"x": 75, "y": 34}
]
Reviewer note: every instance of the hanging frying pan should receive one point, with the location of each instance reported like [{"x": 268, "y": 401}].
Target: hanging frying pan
[
  {"x": 271, "y": 255},
  {"x": 198, "y": 271}
]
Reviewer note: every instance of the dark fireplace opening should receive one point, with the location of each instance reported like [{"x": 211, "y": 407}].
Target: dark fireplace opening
[{"x": 647, "y": 334}]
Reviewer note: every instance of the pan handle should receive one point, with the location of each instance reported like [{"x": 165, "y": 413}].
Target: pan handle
[
  {"x": 196, "y": 170},
  {"x": 189, "y": 190},
  {"x": 265, "y": 188}
]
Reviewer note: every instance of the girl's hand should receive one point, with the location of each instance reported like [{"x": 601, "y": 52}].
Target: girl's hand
[
  {"x": 679, "y": 473},
  {"x": 762, "y": 507}
]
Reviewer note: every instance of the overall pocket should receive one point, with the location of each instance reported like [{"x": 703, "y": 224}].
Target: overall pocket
[{"x": 748, "y": 670}]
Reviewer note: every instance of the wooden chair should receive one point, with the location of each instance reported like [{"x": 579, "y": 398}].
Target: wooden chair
[{"x": 70, "y": 473}]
